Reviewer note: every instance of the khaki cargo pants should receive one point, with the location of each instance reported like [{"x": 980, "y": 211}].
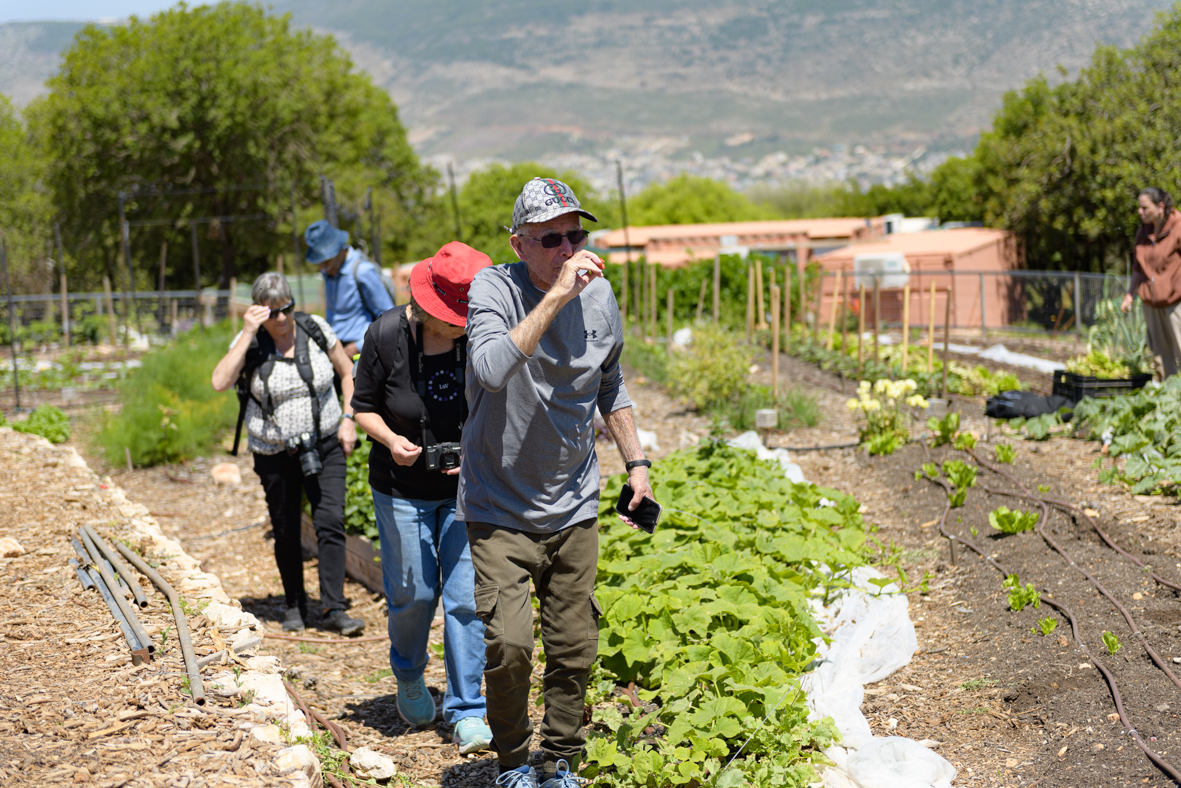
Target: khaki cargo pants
[{"x": 562, "y": 567}]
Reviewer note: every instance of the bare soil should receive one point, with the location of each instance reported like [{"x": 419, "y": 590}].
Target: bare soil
[{"x": 1006, "y": 706}]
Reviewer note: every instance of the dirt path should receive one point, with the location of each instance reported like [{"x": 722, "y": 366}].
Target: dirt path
[{"x": 998, "y": 701}]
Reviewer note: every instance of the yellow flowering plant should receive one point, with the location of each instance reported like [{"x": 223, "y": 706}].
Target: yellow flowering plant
[{"x": 884, "y": 410}]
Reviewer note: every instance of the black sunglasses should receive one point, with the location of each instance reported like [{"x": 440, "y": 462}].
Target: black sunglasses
[
  {"x": 287, "y": 310},
  {"x": 554, "y": 240}
]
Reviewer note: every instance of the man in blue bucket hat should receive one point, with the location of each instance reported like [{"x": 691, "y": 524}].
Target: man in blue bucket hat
[{"x": 352, "y": 284}]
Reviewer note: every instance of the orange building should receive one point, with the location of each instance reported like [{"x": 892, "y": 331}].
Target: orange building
[
  {"x": 978, "y": 257},
  {"x": 675, "y": 245}
]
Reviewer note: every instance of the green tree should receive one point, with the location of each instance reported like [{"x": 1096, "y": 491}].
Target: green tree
[
  {"x": 24, "y": 207},
  {"x": 690, "y": 199},
  {"x": 232, "y": 104},
  {"x": 486, "y": 207}
]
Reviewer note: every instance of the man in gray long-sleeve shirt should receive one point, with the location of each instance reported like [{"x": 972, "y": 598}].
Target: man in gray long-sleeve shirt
[{"x": 544, "y": 340}]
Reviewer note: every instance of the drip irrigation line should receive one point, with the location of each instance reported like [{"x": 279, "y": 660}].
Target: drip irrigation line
[
  {"x": 327, "y": 641},
  {"x": 823, "y": 446},
  {"x": 196, "y": 688},
  {"x": 1117, "y": 698},
  {"x": 121, "y": 570},
  {"x": 1040, "y": 528},
  {"x": 141, "y": 635},
  {"x": 335, "y": 730}
]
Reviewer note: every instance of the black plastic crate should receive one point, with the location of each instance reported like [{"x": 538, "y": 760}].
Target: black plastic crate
[{"x": 1069, "y": 384}]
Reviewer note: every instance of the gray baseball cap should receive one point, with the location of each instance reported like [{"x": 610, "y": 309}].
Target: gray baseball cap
[{"x": 543, "y": 199}]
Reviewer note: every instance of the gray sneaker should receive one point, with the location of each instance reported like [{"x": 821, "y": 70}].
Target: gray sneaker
[
  {"x": 516, "y": 779},
  {"x": 340, "y": 621}
]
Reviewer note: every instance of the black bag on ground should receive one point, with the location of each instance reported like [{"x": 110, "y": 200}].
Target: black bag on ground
[{"x": 1023, "y": 404}]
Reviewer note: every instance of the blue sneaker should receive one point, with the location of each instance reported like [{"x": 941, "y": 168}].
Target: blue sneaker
[
  {"x": 472, "y": 735},
  {"x": 415, "y": 703},
  {"x": 523, "y": 777},
  {"x": 563, "y": 778}
]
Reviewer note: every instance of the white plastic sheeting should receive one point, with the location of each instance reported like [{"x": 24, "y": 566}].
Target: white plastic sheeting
[
  {"x": 1003, "y": 355},
  {"x": 751, "y": 442},
  {"x": 872, "y": 637}
]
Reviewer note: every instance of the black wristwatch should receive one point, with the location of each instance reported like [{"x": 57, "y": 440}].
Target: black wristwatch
[{"x": 638, "y": 464}]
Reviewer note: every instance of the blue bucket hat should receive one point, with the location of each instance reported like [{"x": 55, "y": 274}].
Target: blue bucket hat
[{"x": 324, "y": 241}]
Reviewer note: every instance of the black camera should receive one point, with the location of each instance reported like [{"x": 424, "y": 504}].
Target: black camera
[
  {"x": 442, "y": 456},
  {"x": 305, "y": 446}
]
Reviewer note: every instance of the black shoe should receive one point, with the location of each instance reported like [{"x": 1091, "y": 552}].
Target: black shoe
[
  {"x": 293, "y": 620},
  {"x": 339, "y": 621}
]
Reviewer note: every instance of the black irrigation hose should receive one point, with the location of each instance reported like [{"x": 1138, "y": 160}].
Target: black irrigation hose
[
  {"x": 1162, "y": 764},
  {"x": 1160, "y": 663},
  {"x": 196, "y": 688}
]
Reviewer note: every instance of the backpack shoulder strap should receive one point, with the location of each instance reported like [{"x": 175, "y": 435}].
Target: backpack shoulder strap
[
  {"x": 361, "y": 291},
  {"x": 312, "y": 329}
]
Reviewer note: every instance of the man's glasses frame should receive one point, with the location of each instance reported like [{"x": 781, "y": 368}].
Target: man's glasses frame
[{"x": 554, "y": 240}]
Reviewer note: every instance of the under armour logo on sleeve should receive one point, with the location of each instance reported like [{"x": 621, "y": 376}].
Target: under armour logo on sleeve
[{"x": 592, "y": 334}]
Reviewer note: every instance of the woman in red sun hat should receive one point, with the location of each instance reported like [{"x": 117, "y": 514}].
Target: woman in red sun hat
[{"x": 409, "y": 398}]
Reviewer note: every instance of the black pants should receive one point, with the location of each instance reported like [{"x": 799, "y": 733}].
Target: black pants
[{"x": 283, "y": 481}]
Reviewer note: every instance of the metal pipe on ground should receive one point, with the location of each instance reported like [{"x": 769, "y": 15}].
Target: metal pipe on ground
[
  {"x": 120, "y": 567},
  {"x": 196, "y": 689},
  {"x": 128, "y": 611},
  {"x": 139, "y": 653},
  {"x": 83, "y": 578},
  {"x": 85, "y": 556}
]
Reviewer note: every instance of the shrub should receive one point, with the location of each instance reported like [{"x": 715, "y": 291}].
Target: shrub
[
  {"x": 882, "y": 408},
  {"x": 796, "y": 408},
  {"x": 169, "y": 409},
  {"x": 710, "y": 371},
  {"x": 48, "y": 422}
]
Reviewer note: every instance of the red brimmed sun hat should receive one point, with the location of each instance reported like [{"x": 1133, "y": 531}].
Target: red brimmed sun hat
[{"x": 441, "y": 284}]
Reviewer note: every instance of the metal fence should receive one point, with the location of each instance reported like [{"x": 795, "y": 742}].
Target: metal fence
[
  {"x": 39, "y": 317},
  {"x": 1024, "y": 301}
]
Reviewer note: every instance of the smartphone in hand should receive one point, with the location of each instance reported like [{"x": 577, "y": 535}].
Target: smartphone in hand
[{"x": 646, "y": 515}]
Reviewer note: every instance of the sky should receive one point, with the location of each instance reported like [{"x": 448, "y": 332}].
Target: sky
[{"x": 78, "y": 10}]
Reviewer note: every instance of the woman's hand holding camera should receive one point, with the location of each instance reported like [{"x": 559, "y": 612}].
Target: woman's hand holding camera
[{"x": 404, "y": 450}]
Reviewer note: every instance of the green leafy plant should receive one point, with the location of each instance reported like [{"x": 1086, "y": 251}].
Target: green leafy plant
[
  {"x": 1012, "y": 521},
  {"x": 378, "y": 675},
  {"x": 1098, "y": 364},
  {"x": 709, "y": 617},
  {"x": 1043, "y": 488},
  {"x": 1143, "y": 430},
  {"x": 1046, "y": 625},
  {"x": 1005, "y": 453},
  {"x": 191, "y": 609},
  {"x": 971, "y": 685},
  {"x": 47, "y": 421},
  {"x": 963, "y": 477},
  {"x": 944, "y": 428},
  {"x": 883, "y": 410},
  {"x": 712, "y": 370},
  {"x": 1112, "y": 643},
  {"x": 964, "y": 441},
  {"x": 1020, "y": 597}
]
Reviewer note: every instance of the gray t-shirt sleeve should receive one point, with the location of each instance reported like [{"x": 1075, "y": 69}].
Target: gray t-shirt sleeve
[
  {"x": 494, "y": 357},
  {"x": 612, "y": 391}
]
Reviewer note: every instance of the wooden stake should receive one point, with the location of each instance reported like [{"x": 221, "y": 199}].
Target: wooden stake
[
  {"x": 627, "y": 268},
  {"x": 905, "y": 324},
  {"x": 641, "y": 301},
  {"x": 860, "y": 327},
  {"x": 65, "y": 311},
  {"x": 803, "y": 299},
  {"x": 946, "y": 340},
  {"x": 844, "y": 328},
  {"x": 816, "y": 313},
  {"x": 669, "y": 331},
  {"x": 717, "y": 288},
  {"x": 877, "y": 318},
  {"x": 233, "y": 306},
  {"x": 160, "y": 285},
  {"x": 761, "y": 323},
  {"x": 750, "y": 300},
  {"x": 175, "y": 316},
  {"x": 701, "y": 298},
  {"x": 110, "y": 311},
  {"x": 279, "y": 264},
  {"x": 654, "y": 308},
  {"x": 931, "y": 332},
  {"x": 787, "y": 304},
  {"x": 774, "y": 339},
  {"x": 832, "y": 312}
]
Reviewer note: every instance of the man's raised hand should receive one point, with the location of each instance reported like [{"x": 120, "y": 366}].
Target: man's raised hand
[{"x": 577, "y": 273}]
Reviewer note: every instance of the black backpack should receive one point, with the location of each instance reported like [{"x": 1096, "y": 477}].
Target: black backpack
[{"x": 260, "y": 357}]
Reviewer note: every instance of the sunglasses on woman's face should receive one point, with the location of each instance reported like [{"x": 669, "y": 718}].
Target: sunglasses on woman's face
[
  {"x": 554, "y": 240},
  {"x": 287, "y": 310}
]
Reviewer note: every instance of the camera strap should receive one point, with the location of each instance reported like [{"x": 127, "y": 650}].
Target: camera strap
[
  {"x": 303, "y": 363},
  {"x": 460, "y": 352}
]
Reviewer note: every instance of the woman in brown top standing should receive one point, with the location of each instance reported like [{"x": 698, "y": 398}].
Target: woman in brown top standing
[{"x": 1156, "y": 276}]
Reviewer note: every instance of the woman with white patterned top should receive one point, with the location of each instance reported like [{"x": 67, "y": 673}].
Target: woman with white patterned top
[{"x": 294, "y": 452}]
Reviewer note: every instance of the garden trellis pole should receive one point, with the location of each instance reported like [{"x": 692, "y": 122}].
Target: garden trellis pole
[
  {"x": 197, "y": 274},
  {"x": 905, "y": 324},
  {"x": 700, "y": 297},
  {"x": 946, "y": 340},
  {"x": 761, "y": 322},
  {"x": 16, "y": 382},
  {"x": 670, "y": 319},
  {"x": 125, "y": 230},
  {"x": 844, "y": 325},
  {"x": 295, "y": 266},
  {"x": 160, "y": 288},
  {"x": 931, "y": 330},
  {"x": 717, "y": 288},
  {"x": 110, "y": 311},
  {"x": 627, "y": 246},
  {"x": 750, "y": 300},
  {"x": 774, "y": 339},
  {"x": 61, "y": 261},
  {"x": 860, "y": 326},
  {"x": 832, "y": 312},
  {"x": 787, "y": 303},
  {"x": 454, "y": 202},
  {"x": 877, "y": 318}
]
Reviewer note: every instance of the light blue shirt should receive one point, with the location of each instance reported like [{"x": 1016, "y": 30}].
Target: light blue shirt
[{"x": 346, "y": 311}]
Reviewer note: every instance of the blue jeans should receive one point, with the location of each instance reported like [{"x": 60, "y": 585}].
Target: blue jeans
[{"x": 425, "y": 555}]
